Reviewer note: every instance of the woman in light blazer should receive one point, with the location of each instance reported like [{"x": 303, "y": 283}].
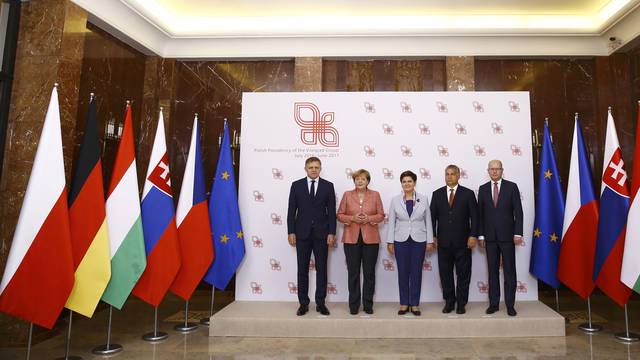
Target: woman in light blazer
[
  {"x": 361, "y": 211},
  {"x": 410, "y": 235}
]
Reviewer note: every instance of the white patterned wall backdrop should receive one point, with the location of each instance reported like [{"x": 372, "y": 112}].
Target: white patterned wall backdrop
[{"x": 385, "y": 133}]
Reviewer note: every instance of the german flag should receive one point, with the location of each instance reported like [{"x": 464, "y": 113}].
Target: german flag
[{"x": 89, "y": 240}]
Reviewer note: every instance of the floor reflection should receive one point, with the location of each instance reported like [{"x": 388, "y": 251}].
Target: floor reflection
[{"x": 137, "y": 318}]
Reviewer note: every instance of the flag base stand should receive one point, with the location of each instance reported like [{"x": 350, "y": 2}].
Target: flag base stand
[
  {"x": 627, "y": 336},
  {"x": 187, "y": 327},
  {"x": 206, "y": 321},
  {"x": 107, "y": 349},
  {"x": 68, "y": 342},
  {"x": 589, "y": 327},
  {"x": 156, "y": 335}
]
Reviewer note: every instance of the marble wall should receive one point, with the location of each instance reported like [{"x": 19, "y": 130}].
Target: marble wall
[
  {"x": 561, "y": 87},
  {"x": 50, "y": 50}
]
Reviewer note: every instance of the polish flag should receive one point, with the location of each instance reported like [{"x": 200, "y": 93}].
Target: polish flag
[{"x": 38, "y": 277}]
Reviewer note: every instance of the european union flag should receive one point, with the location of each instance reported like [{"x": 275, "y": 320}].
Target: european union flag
[
  {"x": 226, "y": 229},
  {"x": 547, "y": 232}
]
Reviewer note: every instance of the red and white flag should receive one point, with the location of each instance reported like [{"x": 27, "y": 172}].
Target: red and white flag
[
  {"x": 192, "y": 216},
  {"x": 38, "y": 277}
]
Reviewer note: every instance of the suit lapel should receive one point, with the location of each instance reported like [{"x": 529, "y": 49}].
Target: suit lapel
[
  {"x": 502, "y": 192},
  {"x": 416, "y": 207}
]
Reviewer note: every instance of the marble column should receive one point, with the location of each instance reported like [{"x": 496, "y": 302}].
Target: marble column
[
  {"x": 460, "y": 73},
  {"x": 308, "y": 74},
  {"x": 50, "y": 49},
  {"x": 409, "y": 75}
]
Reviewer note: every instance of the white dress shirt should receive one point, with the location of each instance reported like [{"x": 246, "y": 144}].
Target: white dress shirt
[{"x": 309, "y": 185}]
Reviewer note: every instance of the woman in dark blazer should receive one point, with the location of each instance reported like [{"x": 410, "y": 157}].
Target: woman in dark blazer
[
  {"x": 361, "y": 211},
  {"x": 410, "y": 235}
]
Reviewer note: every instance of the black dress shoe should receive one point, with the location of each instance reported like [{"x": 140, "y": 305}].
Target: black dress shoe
[
  {"x": 302, "y": 310},
  {"x": 415, "y": 311},
  {"x": 460, "y": 310},
  {"x": 353, "y": 311},
  {"x": 491, "y": 309},
  {"x": 403, "y": 311},
  {"x": 368, "y": 310},
  {"x": 322, "y": 309},
  {"x": 448, "y": 308},
  {"x": 511, "y": 311}
]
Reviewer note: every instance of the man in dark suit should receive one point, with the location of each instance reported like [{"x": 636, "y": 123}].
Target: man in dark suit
[
  {"x": 453, "y": 214},
  {"x": 500, "y": 210},
  {"x": 311, "y": 223}
]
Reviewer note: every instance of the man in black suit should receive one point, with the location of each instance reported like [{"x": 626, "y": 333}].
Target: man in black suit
[
  {"x": 500, "y": 210},
  {"x": 453, "y": 214},
  {"x": 311, "y": 223}
]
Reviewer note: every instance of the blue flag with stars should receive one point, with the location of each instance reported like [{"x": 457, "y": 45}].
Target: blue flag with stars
[
  {"x": 547, "y": 233},
  {"x": 226, "y": 229}
]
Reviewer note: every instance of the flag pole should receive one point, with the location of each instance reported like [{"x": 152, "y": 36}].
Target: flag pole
[
  {"x": 589, "y": 327},
  {"x": 108, "y": 348},
  {"x": 155, "y": 335},
  {"x": 29, "y": 341},
  {"x": 206, "y": 321},
  {"x": 187, "y": 327},
  {"x": 627, "y": 336},
  {"x": 68, "y": 342}
]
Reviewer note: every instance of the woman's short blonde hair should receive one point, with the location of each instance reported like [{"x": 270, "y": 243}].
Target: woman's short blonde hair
[{"x": 361, "y": 172}]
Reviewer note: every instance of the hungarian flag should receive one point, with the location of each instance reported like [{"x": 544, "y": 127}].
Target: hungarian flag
[
  {"x": 630, "y": 274},
  {"x": 89, "y": 240},
  {"x": 128, "y": 258},
  {"x": 38, "y": 276},
  {"x": 159, "y": 226},
  {"x": 192, "y": 216},
  {"x": 580, "y": 227}
]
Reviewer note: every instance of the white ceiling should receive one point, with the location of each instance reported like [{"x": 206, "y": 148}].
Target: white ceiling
[{"x": 285, "y": 28}]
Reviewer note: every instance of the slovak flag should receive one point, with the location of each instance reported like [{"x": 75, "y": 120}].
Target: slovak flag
[
  {"x": 194, "y": 230},
  {"x": 614, "y": 207},
  {"x": 158, "y": 225},
  {"x": 580, "y": 226}
]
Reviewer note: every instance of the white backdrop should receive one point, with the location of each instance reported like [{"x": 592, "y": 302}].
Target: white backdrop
[{"x": 385, "y": 133}]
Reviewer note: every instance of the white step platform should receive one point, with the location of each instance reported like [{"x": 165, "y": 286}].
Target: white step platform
[{"x": 278, "y": 319}]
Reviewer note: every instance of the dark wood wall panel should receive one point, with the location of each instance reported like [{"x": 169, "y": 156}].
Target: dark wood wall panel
[
  {"x": 384, "y": 75},
  {"x": 213, "y": 89},
  {"x": 115, "y": 73}
]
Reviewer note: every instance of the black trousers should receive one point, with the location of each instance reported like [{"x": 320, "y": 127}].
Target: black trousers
[
  {"x": 320, "y": 249},
  {"x": 365, "y": 255},
  {"x": 460, "y": 257},
  {"x": 507, "y": 250}
]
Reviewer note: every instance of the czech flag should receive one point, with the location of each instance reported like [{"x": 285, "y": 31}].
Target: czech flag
[
  {"x": 192, "y": 215},
  {"x": 580, "y": 226}
]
